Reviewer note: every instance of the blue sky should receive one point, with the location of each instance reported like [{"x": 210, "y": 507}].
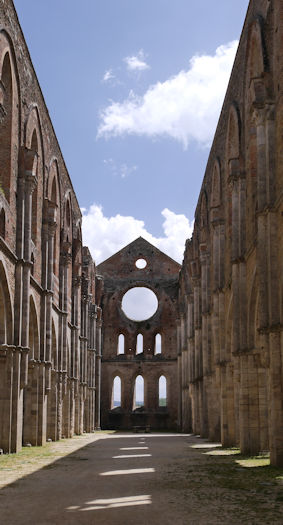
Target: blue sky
[{"x": 134, "y": 89}]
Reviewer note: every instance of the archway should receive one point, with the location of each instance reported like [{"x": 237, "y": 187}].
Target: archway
[{"x": 31, "y": 393}]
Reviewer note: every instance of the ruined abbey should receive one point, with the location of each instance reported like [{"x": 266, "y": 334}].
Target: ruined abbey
[{"x": 64, "y": 336}]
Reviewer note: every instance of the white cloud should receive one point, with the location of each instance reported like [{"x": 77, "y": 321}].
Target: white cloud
[
  {"x": 106, "y": 235},
  {"x": 108, "y": 75},
  {"x": 126, "y": 170},
  {"x": 137, "y": 62},
  {"x": 185, "y": 107},
  {"x": 122, "y": 170}
]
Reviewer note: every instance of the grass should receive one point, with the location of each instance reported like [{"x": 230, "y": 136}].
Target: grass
[
  {"x": 28, "y": 454},
  {"x": 53, "y": 450}
]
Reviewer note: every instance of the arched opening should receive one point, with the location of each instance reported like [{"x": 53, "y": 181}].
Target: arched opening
[
  {"x": 139, "y": 347},
  {"x": 34, "y": 225},
  {"x": 116, "y": 392},
  {"x": 162, "y": 392},
  {"x": 33, "y": 332},
  {"x": 2, "y": 223},
  {"x": 6, "y": 328},
  {"x": 6, "y": 319},
  {"x": 139, "y": 392},
  {"x": 158, "y": 344},
  {"x": 55, "y": 199},
  {"x": 121, "y": 344},
  {"x": 6, "y": 103},
  {"x": 31, "y": 397}
]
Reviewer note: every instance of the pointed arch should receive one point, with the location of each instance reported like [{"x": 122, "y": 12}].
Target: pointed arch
[
  {"x": 233, "y": 134},
  {"x": 33, "y": 154},
  {"x": 6, "y": 314},
  {"x": 54, "y": 197},
  {"x": 53, "y": 185},
  {"x": 9, "y": 115},
  {"x": 34, "y": 225},
  {"x": 256, "y": 58},
  {"x": 116, "y": 398},
  {"x": 34, "y": 348}
]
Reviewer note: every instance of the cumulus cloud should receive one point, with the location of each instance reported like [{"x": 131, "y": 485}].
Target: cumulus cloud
[
  {"x": 106, "y": 235},
  {"x": 185, "y": 107},
  {"x": 108, "y": 75},
  {"x": 137, "y": 62}
]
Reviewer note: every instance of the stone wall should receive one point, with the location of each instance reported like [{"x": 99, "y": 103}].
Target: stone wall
[
  {"x": 230, "y": 329},
  {"x": 47, "y": 293},
  {"x": 120, "y": 274}
]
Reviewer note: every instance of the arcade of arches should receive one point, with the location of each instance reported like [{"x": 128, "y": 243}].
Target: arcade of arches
[{"x": 209, "y": 357}]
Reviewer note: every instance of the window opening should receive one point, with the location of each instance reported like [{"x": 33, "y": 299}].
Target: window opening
[
  {"x": 116, "y": 393},
  {"x": 158, "y": 345},
  {"x": 162, "y": 395},
  {"x": 121, "y": 344},
  {"x": 139, "y": 303},
  {"x": 141, "y": 264},
  {"x": 139, "y": 392},
  {"x": 139, "y": 348}
]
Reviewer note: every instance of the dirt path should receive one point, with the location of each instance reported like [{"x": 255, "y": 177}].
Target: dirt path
[{"x": 138, "y": 479}]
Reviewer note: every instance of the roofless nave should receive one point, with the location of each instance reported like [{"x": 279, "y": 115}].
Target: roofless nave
[{"x": 219, "y": 318}]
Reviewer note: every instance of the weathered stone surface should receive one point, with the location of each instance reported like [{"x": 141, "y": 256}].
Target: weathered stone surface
[
  {"x": 220, "y": 320},
  {"x": 119, "y": 274},
  {"x": 231, "y": 281},
  {"x": 47, "y": 325}
]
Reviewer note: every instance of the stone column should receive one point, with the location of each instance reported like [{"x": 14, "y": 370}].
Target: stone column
[
  {"x": 64, "y": 390},
  {"x": 98, "y": 365},
  {"x": 198, "y": 375},
  {"x": 44, "y": 386}
]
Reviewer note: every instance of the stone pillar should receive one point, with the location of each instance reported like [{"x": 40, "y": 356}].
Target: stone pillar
[
  {"x": 26, "y": 184},
  {"x": 98, "y": 366},
  {"x": 206, "y": 340},
  {"x": 65, "y": 389}
]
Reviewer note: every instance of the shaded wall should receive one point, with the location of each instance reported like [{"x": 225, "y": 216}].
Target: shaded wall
[{"x": 119, "y": 274}]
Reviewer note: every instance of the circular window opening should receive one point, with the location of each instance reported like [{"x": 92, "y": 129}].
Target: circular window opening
[
  {"x": 141, "y": 263},
  {"x": 139, "y": 303}
]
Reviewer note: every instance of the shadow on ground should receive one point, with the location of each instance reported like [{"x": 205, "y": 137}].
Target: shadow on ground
[{"x": 165, "y": 479}]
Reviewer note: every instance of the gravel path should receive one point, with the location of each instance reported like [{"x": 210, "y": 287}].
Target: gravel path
[{"x": 137, "y": 479}]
